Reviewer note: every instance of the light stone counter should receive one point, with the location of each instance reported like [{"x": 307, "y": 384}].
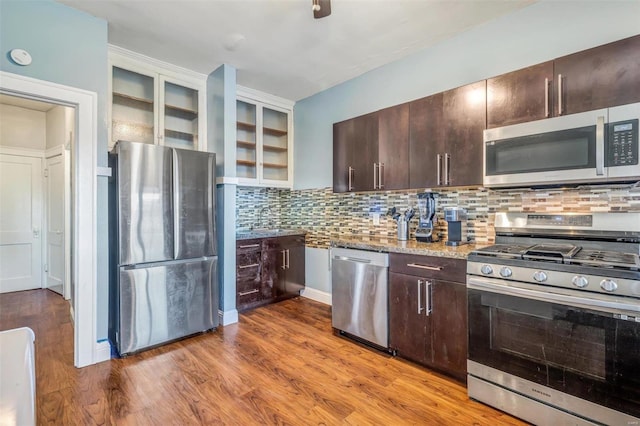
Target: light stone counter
[
  {"x": 267, "y": 233},
  {"x": 392, "y": 245}
]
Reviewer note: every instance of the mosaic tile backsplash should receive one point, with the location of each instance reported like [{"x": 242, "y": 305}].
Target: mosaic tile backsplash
[{"x": 326, "y": 215}]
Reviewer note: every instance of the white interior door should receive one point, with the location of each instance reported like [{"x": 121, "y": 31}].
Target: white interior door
[
  {"x": 20, "y": 223},
  {"x": 55, "y": 221}
]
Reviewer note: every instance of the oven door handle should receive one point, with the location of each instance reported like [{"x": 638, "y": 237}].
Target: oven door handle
[{"x": 609, "y": 306}]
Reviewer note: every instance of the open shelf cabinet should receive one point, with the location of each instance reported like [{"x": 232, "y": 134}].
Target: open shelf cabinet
[
  {"x": 264, "y": 142},
  {"x": 155, "y": 105}
]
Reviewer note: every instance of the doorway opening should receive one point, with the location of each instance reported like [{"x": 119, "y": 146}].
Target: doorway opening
[
  {"x": 35, "y": 188},
  {"x": 83, "y": 195}
]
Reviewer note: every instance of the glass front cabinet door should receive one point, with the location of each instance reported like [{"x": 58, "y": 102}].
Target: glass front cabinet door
[
  {"x": 264, "y": 144},
  {"x": 151, "y": 105}
]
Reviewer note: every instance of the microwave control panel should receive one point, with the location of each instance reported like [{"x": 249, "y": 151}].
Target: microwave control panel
[{"x": 622, "y": 143}]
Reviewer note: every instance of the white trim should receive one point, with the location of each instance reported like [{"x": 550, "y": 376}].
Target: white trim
[
  {"x": 53, "y": 152},
  {"x": 103, "y": 171},
  {"x": 22, "y": 152},
  {"x": 268, "y": 98},
  {"x": 102, "y": 351},
  {"x": 152, "y": 64},
  {"x": 227, "y": 181},
  {"x": 86, "y": 103},
  {"x": 228, "y": 317},
  {"x": 317, "y": 295}
]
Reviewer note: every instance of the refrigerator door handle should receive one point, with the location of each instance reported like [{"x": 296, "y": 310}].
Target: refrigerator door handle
[
  {"x": 170, "y": 262},
  {"x": 176, "y": 204}
]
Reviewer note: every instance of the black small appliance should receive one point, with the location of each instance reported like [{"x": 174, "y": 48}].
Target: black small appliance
[{"x": 427, "y": 209}]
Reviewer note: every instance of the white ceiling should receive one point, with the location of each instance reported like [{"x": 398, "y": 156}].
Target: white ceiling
[{"x": 277, "y": 46}]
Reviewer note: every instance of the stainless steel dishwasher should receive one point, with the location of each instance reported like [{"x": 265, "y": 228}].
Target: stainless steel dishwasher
[{"x": 359, "y": 285}]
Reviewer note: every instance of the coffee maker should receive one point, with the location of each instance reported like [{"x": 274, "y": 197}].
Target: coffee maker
[
  {"x": 427, "y": 209},
  {"x": 456, "y": 218}
]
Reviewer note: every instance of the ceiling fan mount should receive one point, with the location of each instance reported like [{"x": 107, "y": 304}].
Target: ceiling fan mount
[{"x": 321, "y": 8}]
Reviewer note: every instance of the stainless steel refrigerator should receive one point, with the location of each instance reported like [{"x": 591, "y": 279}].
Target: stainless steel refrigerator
[{"x": 163, "y": 255}]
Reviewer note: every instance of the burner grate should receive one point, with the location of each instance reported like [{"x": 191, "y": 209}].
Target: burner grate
[{"x": 607, "y": 259}]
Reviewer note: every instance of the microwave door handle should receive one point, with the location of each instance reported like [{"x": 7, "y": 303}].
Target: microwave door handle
[{"x": 600, "y": 146}]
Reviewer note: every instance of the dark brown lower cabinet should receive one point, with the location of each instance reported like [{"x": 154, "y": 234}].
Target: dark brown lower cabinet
[
  {"x": 428, "y": 314},
  {"x": 268, "y": 270}
]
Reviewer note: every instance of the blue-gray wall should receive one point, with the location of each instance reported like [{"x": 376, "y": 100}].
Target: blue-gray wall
[
  {"x": 537, "y": 33},
  {"x": 221, "y": 110},
  {"x": 68, "y": 47}
]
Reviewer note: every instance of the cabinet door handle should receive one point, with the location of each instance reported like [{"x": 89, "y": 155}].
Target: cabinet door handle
[
  {"x": 288, "y": 259},
  {"x": 600, "y": 146},
  {"x": 427, "y": 296},
  {"x": 244, "y": 293},
  {"x": 546, "y": 97},
  {"x": 420, "y": 308},
  {"x": 284, "y": 260},
  {"x": 430, "y": 268},
  {"x": 447, "y": 163},
  {"x": 439, "y": 169},
  {"x": 253, "y": 265},
  {"x": 380, "y": 175},
  {"x": 560, "y": 112},
  {"x": 375, "y": 176},
  {"x": 350, "y": 178},
  {"x": 250, "y": 246}
]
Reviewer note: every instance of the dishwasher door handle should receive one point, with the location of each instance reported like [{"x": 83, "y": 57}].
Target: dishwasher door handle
[{"x": 352, "y": 259}]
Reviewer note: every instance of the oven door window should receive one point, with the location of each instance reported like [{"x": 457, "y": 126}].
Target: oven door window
[
  {"x": 561, "y": 150},
  {"x": 584, "y": 353}
]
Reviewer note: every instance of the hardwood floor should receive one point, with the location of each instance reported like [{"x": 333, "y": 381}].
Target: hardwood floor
[{"x": 281, "y": 364}]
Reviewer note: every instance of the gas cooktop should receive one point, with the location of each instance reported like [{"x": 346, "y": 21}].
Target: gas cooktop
[{"x": 562, "y": 253}]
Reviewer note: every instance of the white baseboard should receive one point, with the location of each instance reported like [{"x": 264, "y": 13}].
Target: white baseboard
[
  {"x": 228, "y": 317},
  {"x": 102, "y": 351},
  {"x": 317, "y": 295}
]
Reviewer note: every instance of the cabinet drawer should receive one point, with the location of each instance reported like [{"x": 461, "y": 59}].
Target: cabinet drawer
[
  {"x": 442, "y": 268},
  {"x": 247, "y": 297},
  {"x": 248, "y": 265},
  {"x": 244, "y": 246},
  {"x": 248, "y": 286}
]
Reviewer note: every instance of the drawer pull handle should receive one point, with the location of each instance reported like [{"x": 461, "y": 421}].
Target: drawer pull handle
[
  {"x": 430, "y": 268},
  {"x": 248, "y": 266},
  {"x": 250, "y": 246},
  {"x": 245, "y": 293}
]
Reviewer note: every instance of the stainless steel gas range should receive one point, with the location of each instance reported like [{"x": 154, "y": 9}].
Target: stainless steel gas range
[{"x": 554, "y": 318}]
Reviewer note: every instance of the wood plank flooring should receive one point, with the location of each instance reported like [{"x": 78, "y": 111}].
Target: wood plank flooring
[{"x": 281, "y": 364}]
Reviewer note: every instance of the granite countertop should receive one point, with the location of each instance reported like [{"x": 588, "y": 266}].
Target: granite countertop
[
  {"x": 392, "y": 245},
  {"x": 248, "y": 234}
]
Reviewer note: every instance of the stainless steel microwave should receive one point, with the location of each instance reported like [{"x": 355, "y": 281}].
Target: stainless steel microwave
[{"x": 598, "y": 146}]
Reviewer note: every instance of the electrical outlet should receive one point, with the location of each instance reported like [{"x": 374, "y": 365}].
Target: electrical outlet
[{"x": 376, "y": 218}]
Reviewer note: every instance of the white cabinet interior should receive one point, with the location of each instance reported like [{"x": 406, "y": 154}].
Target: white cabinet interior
[
  {"x": 156, "y": 103},
  {"x": 264, "y": 141}
]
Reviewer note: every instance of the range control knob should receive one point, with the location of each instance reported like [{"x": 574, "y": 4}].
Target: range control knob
[
  {"x": 540, "y": 276},
  {"x": 506, "y": 272},
  {"x": 486, "y": 269},
  {"x": 580, "y": 281},
  {"x": 608, "y": 285}
]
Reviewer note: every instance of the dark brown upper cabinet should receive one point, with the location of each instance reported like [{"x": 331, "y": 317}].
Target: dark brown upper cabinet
[
  {"x": 445, "y": 137},
  {"x": 371, "y": 151},
  {"x": 392, "y": 170},
  {"x": 520, "y": 96},
  {"x": 605, "y": 76},
  {"x": 355, "y": 150},
  {"x": 464, "y": 117},
  {"x": 425, "y": 141},
  {"x": 602, "y": 77}
]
